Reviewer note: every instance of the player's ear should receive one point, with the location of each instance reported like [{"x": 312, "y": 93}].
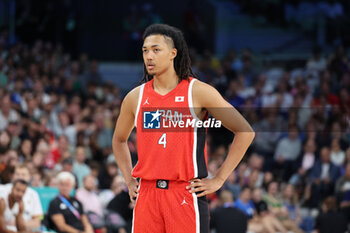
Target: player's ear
[{"x": 173, "y": 53}]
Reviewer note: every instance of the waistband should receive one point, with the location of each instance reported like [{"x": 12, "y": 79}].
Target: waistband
[{"x": 164, "y": 184}]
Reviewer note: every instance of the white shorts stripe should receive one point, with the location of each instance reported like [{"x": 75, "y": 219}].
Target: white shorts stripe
[{"x": 195, "y": 203}]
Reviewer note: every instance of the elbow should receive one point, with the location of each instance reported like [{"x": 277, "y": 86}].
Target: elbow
[
  {"x": 61, "y": 228},
  {"x": 247, "y": 135},
  {"x": 251, "y": 133}
]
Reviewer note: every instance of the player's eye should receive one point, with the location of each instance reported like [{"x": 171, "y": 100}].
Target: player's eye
[
  {"x": 156, "y": 50},
  {"x": 144, "y": 51}
]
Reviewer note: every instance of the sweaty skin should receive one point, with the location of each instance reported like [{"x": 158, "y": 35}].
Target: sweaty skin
[{"x": 158, "y": 55}]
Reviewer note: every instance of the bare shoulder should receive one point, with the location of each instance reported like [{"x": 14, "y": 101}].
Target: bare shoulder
[
  {"x": 133, "y": 95},
  {"x": 131, "y": 99}
]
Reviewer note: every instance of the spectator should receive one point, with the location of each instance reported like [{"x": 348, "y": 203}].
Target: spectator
[
  {"x": 121, "y": 202},
  {"x": 117, "y": 186},
  {"x": 330, "y": 220},
  {"x": 276, "y": 207},
  {"x": 88, "y": 197},
  {"x": 80, "y": 169},
  {"x": 337, "y": 155},
  {"x": 232, "y": 185},
  {"x": 32, "y": 205},
  {"x": 290, "y": 201},
  {"x": 287, "y": 151},
  {"x": 26, "y": 150},
  {"x": 322, "y": 178},
  {"x": 91, "y": 204},
  {"x": 306, "y": 162},
  {"x": 227, "y": 217},
  {"x": 343, "y": 183},
  {"x": 12, "y": 208},
  {"x": 65, "y": 212},
  {"x": 37, "y": 179},
  {"x": 316, "y": 64},
  {"x": 270, "y": 222},
  {"x": 7, "y": 114},
  {"x": 342, "y": 191},
  {"x": 107, "y": 174}
]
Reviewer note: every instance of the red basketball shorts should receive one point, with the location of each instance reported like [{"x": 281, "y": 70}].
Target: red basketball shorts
[{"x": 168, "y": 207}]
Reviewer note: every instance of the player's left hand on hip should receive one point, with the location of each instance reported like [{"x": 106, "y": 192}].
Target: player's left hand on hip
[{"x": 204, "y": 186}]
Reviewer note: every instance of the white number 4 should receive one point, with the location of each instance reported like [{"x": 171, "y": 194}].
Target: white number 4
[{"x": 162, "y": 140}]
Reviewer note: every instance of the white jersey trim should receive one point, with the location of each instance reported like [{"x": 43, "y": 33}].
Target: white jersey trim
[
  {"x": 139, "y": 103},
  {"x": 194, "y": 152}
]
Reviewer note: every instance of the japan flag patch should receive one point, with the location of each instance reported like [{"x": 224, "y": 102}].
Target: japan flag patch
[{"x": 179, "y": 98}]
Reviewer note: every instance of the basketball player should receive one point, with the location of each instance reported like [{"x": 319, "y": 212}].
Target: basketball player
[{"x": 169, "y": 181}]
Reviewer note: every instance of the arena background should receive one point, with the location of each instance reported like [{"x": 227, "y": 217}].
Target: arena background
[{"x": 65, "y": 67}]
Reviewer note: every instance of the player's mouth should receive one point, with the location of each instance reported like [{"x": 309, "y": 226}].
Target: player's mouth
[{"x": 150, "y": 66}]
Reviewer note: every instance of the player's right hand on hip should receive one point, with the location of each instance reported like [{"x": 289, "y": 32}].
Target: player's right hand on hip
[{"x": 133, "y": 186}]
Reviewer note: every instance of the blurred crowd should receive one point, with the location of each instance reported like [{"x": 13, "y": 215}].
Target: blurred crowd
[{"x": 57, "y": 118}]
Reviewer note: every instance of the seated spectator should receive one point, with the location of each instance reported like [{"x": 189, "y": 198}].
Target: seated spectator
[
  {"x": 337, "y": 154},
  {"x": 315, "y": 65},
  {"x": 7, "y": 113},
  {"x": 330, "y": 220},
  {"x": 107, "y": 173},
  {"x": 12, "y": 208},
  {"x": 287, "y": 151},
  {"x": 32, "y": 205},
  {"x": 290, "y": 201},
  {"x": 270, "y": 222},
  {"x": 117, "y": 186},
  {"x": 342, "y": 191},
  {"x": 342, "y": 185},
  {"x": 276, "y": 207},
  {"x": 80, "y": 169},
  {"x": 65, "y": 212},
  {"x": 322, "y": 178},
  {"x": 121, "y": 204},
  {"x": 232, "y": 184},
  {"x": 306, "y": 163},
  {"x": 245, "y": 204},
  {"x": 227, "y": 217},
  {"x": 89, "y": 199}
]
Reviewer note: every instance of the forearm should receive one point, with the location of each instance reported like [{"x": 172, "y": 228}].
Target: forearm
[
  {"x": 122, "y": 155},
  {"x": 68, "y": 229},
  {"x": 86, "y": 224},
  {"x": 33, "y": 223},
  {"x": 20, "y": 223},
  {"x": 239, "y": 146}
]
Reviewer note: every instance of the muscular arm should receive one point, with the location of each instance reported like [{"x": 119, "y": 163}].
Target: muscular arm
[
  {"x": 125, "y": 124},
  {"x": 207, "y": 97}
]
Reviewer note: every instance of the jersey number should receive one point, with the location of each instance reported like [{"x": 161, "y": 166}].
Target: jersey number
[{"x": 162, "y": 140}]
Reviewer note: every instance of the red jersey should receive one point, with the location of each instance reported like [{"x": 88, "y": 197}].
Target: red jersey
[{"x": 169, "y": 145}]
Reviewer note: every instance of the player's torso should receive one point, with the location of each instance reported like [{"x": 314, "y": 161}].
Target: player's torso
[{"x": 168, "y": 145}]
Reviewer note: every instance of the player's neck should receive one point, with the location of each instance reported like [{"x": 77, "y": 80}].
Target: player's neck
[{"x": 165, "y": 82}]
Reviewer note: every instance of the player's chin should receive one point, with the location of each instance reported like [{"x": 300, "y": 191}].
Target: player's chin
[{"x": 151, "y": 73}]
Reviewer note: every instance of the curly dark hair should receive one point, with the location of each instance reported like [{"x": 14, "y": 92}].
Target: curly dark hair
[{"x": 182, "y": 61}]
